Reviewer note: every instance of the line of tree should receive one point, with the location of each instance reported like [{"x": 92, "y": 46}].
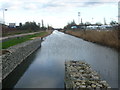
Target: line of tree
[
  {"x": 33, "y": 26},
  {"x": 72, "y": 23},
  {"x": 29, "y": 26},
  {"x": 68, "y": 26}
]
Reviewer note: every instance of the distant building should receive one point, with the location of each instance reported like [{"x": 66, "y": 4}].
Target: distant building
[
  {"x": 74, "y": 27},
  {"x": 119, "y": 12},
  {"x": 12, "y": 25},
  {"x": 92, "y": 27}
]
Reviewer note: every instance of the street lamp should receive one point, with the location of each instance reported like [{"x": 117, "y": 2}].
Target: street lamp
[{"x": 4, "y": 15}]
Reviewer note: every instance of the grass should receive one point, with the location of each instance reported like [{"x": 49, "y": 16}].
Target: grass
[
  {"x": 107, "y": 38},
  {"x": 17, "y": 40}
]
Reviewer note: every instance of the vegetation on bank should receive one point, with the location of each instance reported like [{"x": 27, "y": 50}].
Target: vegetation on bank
[
  {"x": 28, "y": 27},
  {"x": 108, "y": 38},
  {"x": 17, "y": 40}
]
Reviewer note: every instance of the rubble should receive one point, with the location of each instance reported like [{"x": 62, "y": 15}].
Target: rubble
[{"x": 79, "y": 74}]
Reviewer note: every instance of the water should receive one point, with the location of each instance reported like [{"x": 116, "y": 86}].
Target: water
[{"x": 45, "y": 68}]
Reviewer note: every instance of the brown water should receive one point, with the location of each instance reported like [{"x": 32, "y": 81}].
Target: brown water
[{"x": 45, "y": 67}]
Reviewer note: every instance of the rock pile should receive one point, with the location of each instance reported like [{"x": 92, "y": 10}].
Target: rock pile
[{"x": 79, "y": 74}]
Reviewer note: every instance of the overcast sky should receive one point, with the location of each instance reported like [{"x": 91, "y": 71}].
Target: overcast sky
[{"x": 58, "y": 12}]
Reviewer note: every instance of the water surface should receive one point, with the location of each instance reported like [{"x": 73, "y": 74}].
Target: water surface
[{"x": 47, "y": 67}]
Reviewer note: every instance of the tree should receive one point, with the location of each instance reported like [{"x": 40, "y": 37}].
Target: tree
[
  {"x": 20, "y": 24},
  {"x": 73, "y": 22},
  {"x": 68, "y": 26},
  {"x": 113, "y": 22},
  {"x": 98, "y": 23},
  {"x": 87, "y": 23},
  {"x": 30, "y": 26}
]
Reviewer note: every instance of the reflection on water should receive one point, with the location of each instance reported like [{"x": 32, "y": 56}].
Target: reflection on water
[{"x": 47, "y": 68}]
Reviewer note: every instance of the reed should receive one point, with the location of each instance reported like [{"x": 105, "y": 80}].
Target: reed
[{"x": 107, "y": 38}]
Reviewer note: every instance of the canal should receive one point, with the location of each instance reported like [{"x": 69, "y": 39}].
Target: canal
[{"x": 45, "y": 67}]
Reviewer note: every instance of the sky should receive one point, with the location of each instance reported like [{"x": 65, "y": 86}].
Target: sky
[{"x": 58, "y": 13}]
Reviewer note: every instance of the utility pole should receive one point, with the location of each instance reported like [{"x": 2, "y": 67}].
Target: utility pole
[
  {"x": 42, "y": 24},
  {"x": 78, "y": 18},
  {"x": 81, "y": 22},
  {"x": 105, "y": 22}
]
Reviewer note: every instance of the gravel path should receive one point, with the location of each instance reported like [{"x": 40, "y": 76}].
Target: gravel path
[{"x": 13, "y": 36}]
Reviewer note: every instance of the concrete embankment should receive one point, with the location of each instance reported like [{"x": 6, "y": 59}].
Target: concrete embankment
[
  {"x": 16, "y": 54},
  {"x": 79, "y": 74}
]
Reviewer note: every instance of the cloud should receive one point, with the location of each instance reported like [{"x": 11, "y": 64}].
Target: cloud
[
  {"x": 11, "y": 5},
  {"x": 30, "y": 6},
  {"x": 5, "y": 5},
  {"x": 52, "y": 5},
  {"x": 92, "y": 4},
  {"x": 107, "y": 0},
  {"x": 76, "y": 3},
  {"x": 46, "y": 4}
]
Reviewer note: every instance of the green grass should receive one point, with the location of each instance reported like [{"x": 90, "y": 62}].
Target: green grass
[{"x": 18, "y": 40}]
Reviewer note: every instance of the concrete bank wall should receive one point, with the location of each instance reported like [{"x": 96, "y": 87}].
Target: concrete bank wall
[{"x": 17, "y": 54}]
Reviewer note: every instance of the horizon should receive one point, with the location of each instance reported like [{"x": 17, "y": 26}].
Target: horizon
[{"x": 58, "y": 13}]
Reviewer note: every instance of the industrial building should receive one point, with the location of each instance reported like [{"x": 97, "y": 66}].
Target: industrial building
[{"x": 12, "y": 25}]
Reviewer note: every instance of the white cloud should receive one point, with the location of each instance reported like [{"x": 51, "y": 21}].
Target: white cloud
[
  {"x": 30, "y": 6},
  {"x": 52, "y": 11},
  {"x": 43, "y": 4}
]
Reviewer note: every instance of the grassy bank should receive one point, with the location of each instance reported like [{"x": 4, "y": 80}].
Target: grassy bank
[
  {"x": 107, "y": 38},
  {"x": 17, "y": 40}
]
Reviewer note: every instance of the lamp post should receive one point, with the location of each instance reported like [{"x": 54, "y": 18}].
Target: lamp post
[{"x": 4, "y": 15}]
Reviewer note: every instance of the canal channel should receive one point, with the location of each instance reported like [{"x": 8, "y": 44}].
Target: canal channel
[{"x": 45, "y": 67}]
